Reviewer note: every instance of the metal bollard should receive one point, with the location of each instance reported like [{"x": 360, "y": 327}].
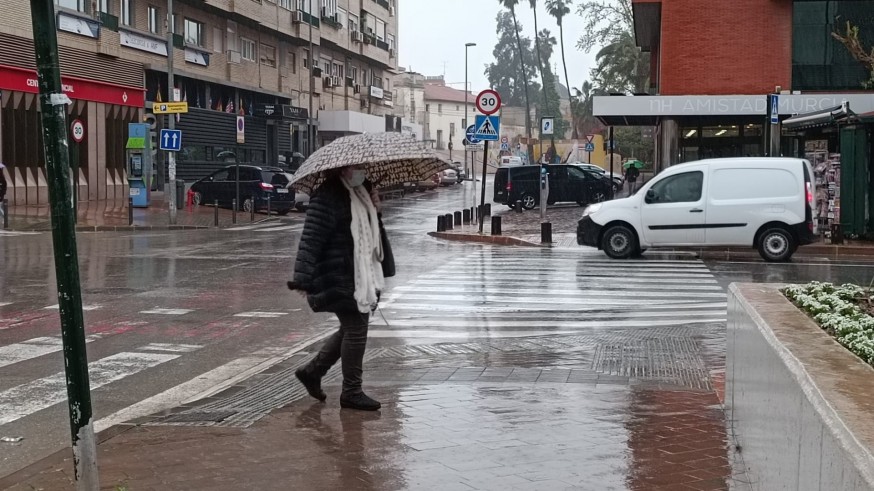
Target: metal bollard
[
  {"x": 496, "y": 225},
  {"x": 488, "y": 210},
  {"x": 457, "y": 218},
  {"x": 546, "y": 233},
  {"x": 268, "y": 206},
  {"x": 441, "y": 223},
  {"x": 519, "y": 208},
  {"x": 130, "y": 211},
  {"x": 252, "y": 211},
  {"x": 465, "y": 216},
  {"x": 447, "y": 218},
  {"x": 216, "y": 213},
  {"x": 473, "y": 214},
  {"x": 5, "y": 210},
  {"x": 234, "y": 207}
]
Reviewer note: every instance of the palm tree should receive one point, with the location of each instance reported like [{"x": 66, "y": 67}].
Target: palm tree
[
  {"x": 558, "y": 9},
  {"x": 533, "y": 4},
  {"x": 511, "y": 6},
  {"x": 622, "y": 67}
]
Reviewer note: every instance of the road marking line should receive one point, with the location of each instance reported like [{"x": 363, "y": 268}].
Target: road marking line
[
  {"x": 34, "y": 348},
  {"x": 26, "y": 399},
  {"x": 583, "y": 297},
  {"x": 434, "y": 334},
  {"x": 84, "y": 307},
  {"x": 173, "y": 348},
  {"x": 167, "y": 311},
  {"x": 595, "y": 307},
  {"x": 545, "y": 322},
  {"x": 645, "y": 291},
  {"x": 3, "y": 304},
  {"x": 262, "y": 315},
  {"x": 14, "y": 233},
  {"x": 209, "y": 383}
]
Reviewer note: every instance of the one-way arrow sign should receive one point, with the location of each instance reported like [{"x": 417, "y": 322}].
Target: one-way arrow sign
[{"x": 170, "y": 140}]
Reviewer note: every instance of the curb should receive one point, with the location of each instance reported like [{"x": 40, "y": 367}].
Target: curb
[
  {"x": 484, "y": 239},
  {"x": 135, "y": 228}
]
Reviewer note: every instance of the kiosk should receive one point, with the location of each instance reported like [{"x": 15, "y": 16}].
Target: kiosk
[{"x": 139, "y": 164}]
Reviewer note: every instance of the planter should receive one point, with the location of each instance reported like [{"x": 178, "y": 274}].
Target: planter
[{"x": 800, "y": 404}]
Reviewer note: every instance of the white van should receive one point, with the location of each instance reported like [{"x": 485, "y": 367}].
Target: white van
[{"x": 766, "y": 203}]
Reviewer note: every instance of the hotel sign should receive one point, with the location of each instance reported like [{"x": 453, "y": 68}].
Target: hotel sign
[
  {"x": 142, "y": 43},
  {"x": 729, "y": 105}
]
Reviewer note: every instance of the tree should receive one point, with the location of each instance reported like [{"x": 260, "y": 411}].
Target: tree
[
  {"x": 511, "y": 6},
  {"x": 504, "y": 73},
  {"x": 559, "y": 9},
  {"x": 622, "y": 67},
  {"x": 584, "y": 120},
  {"x": 550, "y": 101},
  {"x": 606, "y": 20},
  {"x": 854, "y": 45},
  {"x": 533, "y": 4}
]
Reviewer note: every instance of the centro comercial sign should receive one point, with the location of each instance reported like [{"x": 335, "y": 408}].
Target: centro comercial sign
[{"x": 728, "y": 105}]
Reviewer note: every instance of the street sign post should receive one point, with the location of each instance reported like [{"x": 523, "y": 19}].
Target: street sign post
[
  {"x": 241, "y": 129},
  {"x": 77, "y": 131},
  {"x": 488, "y": 128},
  {"x": 547, "y": 126},
  {"x": 775, "y": 109},
  {"x": 170, "y": 140},
  {"x": 170, "y": 107},
  {"x": 471, "y": 135},
  {"x": 488, "y": 102}
]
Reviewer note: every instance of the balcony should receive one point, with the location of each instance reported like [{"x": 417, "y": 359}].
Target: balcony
[
  {"x": 331, "y": 20},
  {"x": 383, "y": 3}
]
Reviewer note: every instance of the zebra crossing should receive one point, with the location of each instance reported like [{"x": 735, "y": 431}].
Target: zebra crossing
[
  {"x": 520, "y": 292},
  {"x": 268, "y": 227},
  {"x": 16, "y": 233}
]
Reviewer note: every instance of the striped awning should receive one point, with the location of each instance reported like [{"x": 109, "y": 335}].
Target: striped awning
[{"x": 818, "y": 119}]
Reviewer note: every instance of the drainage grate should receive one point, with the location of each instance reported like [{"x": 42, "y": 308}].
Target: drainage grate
[{"x": 672, "y": 360}]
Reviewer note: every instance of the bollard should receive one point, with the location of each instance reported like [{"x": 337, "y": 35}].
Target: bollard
[
  {"x": 488, "y": 210},
  {"x": 496, "y": 225},
  {"x": 234, "y": 207},
  {"x": 546, "y": 233},
  {"x": 268, "y": 206},
  {"x": 479, "y": 213},
  {"x": 465, "y": 216},
  {"x": 5, "y": 211},
  {"x": 447, "y": 219},
  {"x": 130, "y": 211},
  {"x": 216, "y": 213},
  {"x": 252, "y": 211},
  {"x": 473, "y": 214},
  {"x": 519, "y": 208},
  {"x": 457, "y": 218},
  {"x": 441, "y": 223}
]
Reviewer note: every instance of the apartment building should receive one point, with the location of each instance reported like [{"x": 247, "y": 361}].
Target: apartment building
[{"x": 298, "y": 70}]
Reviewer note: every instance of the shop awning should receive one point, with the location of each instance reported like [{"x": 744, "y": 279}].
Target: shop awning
[{"x": 818, "y": 119}]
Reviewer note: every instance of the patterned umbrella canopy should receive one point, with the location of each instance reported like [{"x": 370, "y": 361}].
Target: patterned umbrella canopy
[{"x": 389, "y": 159}]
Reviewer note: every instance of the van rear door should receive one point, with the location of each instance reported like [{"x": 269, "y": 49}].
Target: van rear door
[{"x": 500, "y": 186}]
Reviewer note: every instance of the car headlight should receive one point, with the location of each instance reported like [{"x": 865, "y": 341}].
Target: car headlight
[{"x": 591, "y": 209}]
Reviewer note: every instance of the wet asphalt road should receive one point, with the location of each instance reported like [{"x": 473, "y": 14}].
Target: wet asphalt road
[{"x": 170, "y": 315}]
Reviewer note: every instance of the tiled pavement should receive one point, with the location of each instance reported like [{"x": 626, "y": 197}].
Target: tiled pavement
[{"x": 528, "y": 369}]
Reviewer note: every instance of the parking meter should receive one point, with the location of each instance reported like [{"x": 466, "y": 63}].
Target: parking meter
[
  {"x": 138, "y": 159},
  {"x": 544, "y": 191}
]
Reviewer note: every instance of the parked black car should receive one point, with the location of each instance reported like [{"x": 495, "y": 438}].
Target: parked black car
[
  {"x": 566, "y": 183},
  {"x": 256, "y": 182}
]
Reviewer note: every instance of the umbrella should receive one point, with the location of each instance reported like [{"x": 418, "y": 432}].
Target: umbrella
[
  {"x": 635, "y": 163},
  {"x": 388, "y": 158}
]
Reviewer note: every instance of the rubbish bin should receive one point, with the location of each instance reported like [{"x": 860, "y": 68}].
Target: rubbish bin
[{"x": 180, "y": 193}]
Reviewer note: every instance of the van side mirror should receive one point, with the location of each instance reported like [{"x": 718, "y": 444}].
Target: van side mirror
[{"x": 651, "y": 196}]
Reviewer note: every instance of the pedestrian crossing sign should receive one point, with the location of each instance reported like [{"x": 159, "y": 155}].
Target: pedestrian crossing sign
[{"x": 488, "y": 127}]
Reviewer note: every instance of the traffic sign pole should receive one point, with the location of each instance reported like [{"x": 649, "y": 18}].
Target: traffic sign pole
[{"x": 483, "y": 194}]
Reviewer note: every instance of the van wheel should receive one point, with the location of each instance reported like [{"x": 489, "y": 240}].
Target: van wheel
[
  {"x": 619, "y": 242},
  {"x": 776, "y": 245},
  {"x": 198, "y": 198},
  {"x": 529, "y": 201}
]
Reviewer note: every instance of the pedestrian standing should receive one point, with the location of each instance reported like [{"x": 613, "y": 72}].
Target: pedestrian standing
[
  {"x": 3, "y": 183},
  {"x": 631, "y": 175},
  {"x": 341, "y": 265}
]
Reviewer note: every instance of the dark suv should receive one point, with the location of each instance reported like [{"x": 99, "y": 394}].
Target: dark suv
[
  {"x": 566, "y": 183},
  {"x": 255, "y": 182}
]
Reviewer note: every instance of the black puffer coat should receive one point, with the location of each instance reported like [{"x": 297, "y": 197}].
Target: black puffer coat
[{"x": 324, "y": 267}]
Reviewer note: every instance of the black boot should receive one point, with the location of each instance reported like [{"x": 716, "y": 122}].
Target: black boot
[
  {"x": 359, "y": 401},
  {"x": 312, "y": 382}
]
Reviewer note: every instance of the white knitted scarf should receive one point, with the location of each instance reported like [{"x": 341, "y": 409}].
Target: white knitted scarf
[{"x": 367, "y": 248}]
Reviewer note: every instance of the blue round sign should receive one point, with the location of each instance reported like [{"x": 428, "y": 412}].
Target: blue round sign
[{"x": 471, "y": 132}]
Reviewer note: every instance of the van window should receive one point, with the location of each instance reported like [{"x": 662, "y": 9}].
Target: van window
[
  {"x": 681, "y": 188},
  {"x": 754, "y": 184}
]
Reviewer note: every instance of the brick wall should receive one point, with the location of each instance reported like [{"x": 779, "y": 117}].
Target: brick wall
[{"x": 727, "y": 47}]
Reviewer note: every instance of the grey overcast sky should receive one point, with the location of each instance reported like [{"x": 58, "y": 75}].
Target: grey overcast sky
[{"x": 433, "y": 32}]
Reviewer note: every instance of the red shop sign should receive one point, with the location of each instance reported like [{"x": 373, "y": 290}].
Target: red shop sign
[{"x": 23, "y": 80}]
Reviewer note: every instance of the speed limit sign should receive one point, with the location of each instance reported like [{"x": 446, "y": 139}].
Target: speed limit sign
[
  {"x": 78, "y": 131},
  {"x": 488, "y": 102}
]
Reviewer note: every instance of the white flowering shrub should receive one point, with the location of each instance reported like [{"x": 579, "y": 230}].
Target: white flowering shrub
[{"x": 837, "y": 310}]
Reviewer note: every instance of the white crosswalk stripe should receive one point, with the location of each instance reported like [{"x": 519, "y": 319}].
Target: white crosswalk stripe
[
  {"x": 505, "y": 293},
  {"x": 267, "y": 227},
  {"x": 15, "y": 233}
]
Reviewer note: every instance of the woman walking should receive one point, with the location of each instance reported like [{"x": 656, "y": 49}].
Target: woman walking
[{"x": 341, "y": 265}]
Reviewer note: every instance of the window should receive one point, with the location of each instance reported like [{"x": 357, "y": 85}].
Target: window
[
  {"x": 681, "y": 188},
  {"x": 268, "y": 55},
  {"x": 304, "y": 5},
  {"x": 353, "y": 72},
  {"x": 464, "y": 123},
  {"x": 439, "y": 108},
  {"x": 78, "y": 5},
  {"x": 427, "y": 108},
  {"x": 217, "y": 39},
  {"x": 457, "y": 107},
  {"x": 380, "y": 30},
  {"x": 391, "y": 41},
  {"x": 306, "y": 58},
  {"x": 154, "y": 26},
  {"x": 126, "y": 13},
  {"x": 376, "y": 81},
  {"x": 104, "y": 7},
  {"x": 451, "y": 130},
  {"x": 193, "y": 32},
  {"x": 326, "y": 66},
  {"x": 291, "y": 61},
  {"x": 247, "y": 49},
  {"x": 286, "y": 4},
  {"x": 342, "y": 17},
  {"x": 231, "y": 36},
  {"x": 337, "y": 70},
  {"x": 353, "y": 22},
  {"x": 329, "y": 8}
]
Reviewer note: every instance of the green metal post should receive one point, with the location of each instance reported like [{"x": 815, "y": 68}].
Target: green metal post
[{"x": 54, "y": 126}]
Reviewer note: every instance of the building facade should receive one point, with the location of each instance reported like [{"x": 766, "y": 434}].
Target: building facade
[
  {"x": 325, "y": 65},
  {"x": 756, "y": 78}
]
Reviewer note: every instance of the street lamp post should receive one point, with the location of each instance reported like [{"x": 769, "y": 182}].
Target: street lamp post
[
  {"x": 467, "y": 170},
  {"x": 171, "y": 122}
]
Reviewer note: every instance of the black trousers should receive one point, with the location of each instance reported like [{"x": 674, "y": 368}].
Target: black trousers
[{"x": 348, "y": 345}]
